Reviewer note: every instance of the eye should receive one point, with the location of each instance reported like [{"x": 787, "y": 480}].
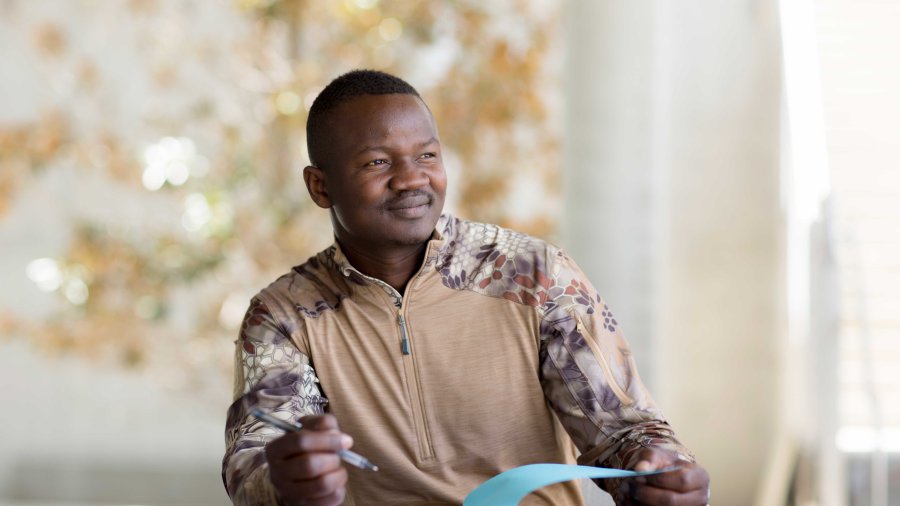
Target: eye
[
  {"x": 373, "y": 163},
  {"x": 428, "y": 156}
]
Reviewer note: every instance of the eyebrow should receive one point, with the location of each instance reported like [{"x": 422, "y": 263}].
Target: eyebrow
[{"x": 432, "y": 140}]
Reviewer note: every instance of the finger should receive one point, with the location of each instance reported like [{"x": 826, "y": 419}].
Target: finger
[
  {"x": 650, "y": 495},
  {"x": 326, "y": 423},
  {"x": 305, "y": 467},
  {"x": 321, "y": 487},
  {"x": 335, "y": 499},
  {"x": 626, "y": 494},
  {"x": 688, "y": 478},
  {"x": 644, "y": 466},
  {"x": 320, "y": 422},
  {"x": 306, "y": 441}
]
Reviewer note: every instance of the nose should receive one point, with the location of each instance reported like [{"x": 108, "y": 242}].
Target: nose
[{"x": 408, "y": 175}]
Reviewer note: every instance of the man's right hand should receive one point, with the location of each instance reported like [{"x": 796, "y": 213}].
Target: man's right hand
[{"x": 305, "y": 467}]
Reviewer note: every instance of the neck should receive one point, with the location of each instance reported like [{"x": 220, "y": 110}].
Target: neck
[{"x": 395, "y": 267}]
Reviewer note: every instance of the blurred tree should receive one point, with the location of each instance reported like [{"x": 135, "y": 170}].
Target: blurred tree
[{"x": 223, "y": 93}]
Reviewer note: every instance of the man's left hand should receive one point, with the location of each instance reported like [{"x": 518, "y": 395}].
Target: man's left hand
[{"x": 688, "y": 486}]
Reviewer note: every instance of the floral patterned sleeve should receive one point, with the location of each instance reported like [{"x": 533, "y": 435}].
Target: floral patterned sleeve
[
  {"x": 273, "y": 375},
  {"x": 590, "y": 379}
]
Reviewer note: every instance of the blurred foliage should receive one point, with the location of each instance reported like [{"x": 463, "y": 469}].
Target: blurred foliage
[{"x": 223, "y": 160}]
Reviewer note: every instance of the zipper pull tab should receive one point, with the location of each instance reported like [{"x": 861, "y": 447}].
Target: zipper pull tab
[{"x": 404, "y": 340}]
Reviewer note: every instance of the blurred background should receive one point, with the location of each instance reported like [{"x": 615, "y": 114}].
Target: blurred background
[{"x": 727, "y": 172}]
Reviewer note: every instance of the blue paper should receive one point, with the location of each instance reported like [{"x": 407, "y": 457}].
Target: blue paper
[{"x": 510, "y": 487}]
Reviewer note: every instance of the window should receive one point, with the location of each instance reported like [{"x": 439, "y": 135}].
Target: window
[{"x": 858, "y": 45}]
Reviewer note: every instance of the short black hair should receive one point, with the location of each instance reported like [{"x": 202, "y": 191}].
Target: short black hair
[{"x": 342, "y": 89}]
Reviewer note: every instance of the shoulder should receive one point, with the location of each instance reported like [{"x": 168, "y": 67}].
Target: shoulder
[
  {"x": 500, "y": 262},
  {"x": 464, "y": 236},
  {"x": 308, "y": 290}
]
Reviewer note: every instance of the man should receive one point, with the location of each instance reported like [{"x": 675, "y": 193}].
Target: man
[{"x": 449, "y": 350}]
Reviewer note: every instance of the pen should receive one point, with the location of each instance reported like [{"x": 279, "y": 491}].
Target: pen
[{"x": 347, "y": 456}]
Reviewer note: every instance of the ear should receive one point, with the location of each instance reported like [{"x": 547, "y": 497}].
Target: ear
[{"x": 315, "y": 185}]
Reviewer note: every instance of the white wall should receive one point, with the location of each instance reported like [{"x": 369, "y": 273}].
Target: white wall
[{"x": 74, "y": 433}]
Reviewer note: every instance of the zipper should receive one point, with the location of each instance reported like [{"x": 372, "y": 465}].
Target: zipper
[
  {"x": 414, "y": 388},
  {"x": 601, "y": 358},
  {"x": 413, "y": 385},
  {"x": 404, "y": 338}
]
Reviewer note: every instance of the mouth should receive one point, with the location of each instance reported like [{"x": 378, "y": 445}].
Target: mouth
[
  {"x": 409, "y": 203},
  {"x": 410, "y": 207}
]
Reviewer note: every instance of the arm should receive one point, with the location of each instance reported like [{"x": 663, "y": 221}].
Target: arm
[
  {"x": 590, "y": 379},
  {"x": 273, "y": 375}
]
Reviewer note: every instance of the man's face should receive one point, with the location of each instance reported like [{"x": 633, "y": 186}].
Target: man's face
[{"x": 383, "y": 172}]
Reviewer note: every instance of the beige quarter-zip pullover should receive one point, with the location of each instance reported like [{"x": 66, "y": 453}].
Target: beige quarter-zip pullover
[{"x": 499, "y": 353}]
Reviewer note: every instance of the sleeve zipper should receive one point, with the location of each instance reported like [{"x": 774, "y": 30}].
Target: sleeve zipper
[{"x": 604, "y": 364}]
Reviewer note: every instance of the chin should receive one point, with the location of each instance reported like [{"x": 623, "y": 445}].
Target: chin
[
  {"x": 412, "y": 232},
  {"x": 411, "y": 237},
  {"x": 410, "y": 240}
]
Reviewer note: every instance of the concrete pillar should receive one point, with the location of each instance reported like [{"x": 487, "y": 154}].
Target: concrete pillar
[
  {"x": 672, "y": 195},
  {"x": 609, "y": 159}
]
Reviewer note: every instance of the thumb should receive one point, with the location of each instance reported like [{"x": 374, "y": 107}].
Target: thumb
[
  {"x": 320, "y": 422},
  {"x": 651, "y": 459}
]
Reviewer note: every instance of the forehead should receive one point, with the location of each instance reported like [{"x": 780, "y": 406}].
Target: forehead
[{"x": 371, "y": 118}]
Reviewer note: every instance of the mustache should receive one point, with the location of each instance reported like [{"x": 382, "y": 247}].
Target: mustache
[{"x": 410, "y": 198}]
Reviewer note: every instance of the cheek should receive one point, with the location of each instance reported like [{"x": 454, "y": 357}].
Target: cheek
[
  {"x": 439, "y": 180},
  {"x": 360, "y": 192}
]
